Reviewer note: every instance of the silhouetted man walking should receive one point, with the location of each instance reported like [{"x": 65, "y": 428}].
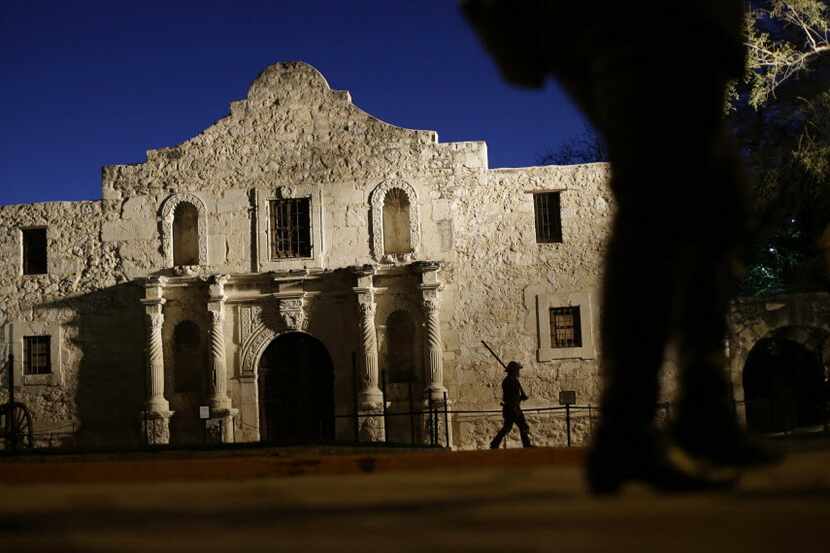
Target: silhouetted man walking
[{"x": 512, "y": 395}]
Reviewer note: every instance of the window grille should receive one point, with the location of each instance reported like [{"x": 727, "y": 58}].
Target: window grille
[
  {"x": 547, "y": 207},
  {"x": 565, "y": 327},
  {"x": 34, "y": 251},
  {"x": 290, "y": 228},
  {"x": 37, "y": 358}
]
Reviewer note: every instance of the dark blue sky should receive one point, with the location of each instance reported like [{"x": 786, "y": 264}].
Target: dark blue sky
[{"x": 87, "y": 83}]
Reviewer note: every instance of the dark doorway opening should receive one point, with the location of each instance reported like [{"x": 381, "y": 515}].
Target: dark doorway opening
[
  {"x": 296, "y": 391},
  {"x": 783, "y": 386}
]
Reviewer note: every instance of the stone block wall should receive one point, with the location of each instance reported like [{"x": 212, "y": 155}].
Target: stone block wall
[
  {"x": 500, "y": 276},
  {"x": 292, "y": 136},
  {"x": 87, "y": 306}
]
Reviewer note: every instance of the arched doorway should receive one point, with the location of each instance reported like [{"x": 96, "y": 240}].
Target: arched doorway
[
  {"x": 296, "y": 391},
  {"x": 783, "y": 386}
]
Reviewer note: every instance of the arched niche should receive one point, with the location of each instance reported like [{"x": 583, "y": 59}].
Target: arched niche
[
  {"x": 397, "y": 236},
  {"x": 185, "y": 235},
  {"x": 177, "y": 214},
  {"x": 399, "y": 200}
]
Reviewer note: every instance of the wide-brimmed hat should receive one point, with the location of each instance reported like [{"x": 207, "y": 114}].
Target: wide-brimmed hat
[{"x": 513, "y": 366}]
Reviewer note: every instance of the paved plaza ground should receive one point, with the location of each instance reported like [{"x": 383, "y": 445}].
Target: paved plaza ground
[{"x": 373, "y": 500}]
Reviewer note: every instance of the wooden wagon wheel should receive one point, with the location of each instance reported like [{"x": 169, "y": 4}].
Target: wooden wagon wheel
[{"x": 16, "y": 425}]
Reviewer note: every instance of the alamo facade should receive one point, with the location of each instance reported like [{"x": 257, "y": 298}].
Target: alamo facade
[{"x": 293, "y": 259}]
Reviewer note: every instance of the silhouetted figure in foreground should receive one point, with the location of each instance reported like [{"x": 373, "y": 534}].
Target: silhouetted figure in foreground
[
  {"x": 512, "y": 396},
  {"x": 651, "y": 78}
]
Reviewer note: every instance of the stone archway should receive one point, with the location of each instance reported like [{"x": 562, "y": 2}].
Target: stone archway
[
  {"x": 199, "y": 236},
  {"x": 784, "y": 381},
  {"x": 295, "y": 383},
  {"x": 408, "y": 202}
]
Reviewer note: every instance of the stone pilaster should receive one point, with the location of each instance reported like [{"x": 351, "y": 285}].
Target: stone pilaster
[
  {"x": 156, "y": 415},
  {"x": 433, "y": 348},
  {"x": 370, "y": 398},
  {"x": 218, "y": 399}
]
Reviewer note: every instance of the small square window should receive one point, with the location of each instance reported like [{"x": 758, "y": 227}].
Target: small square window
[
  {"x": 37, "y": 354},
  {"x": 565, "y": 327},
  {"x": 290, "y": 228},
  {"x": 547, "y": 207},
  {"x": 34, "y": 251}
]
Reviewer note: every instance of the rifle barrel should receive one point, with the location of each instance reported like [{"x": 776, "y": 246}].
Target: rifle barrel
[{"x": 494, "y": 354}]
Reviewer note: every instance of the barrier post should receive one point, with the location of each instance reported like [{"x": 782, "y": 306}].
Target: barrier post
[
  {"x": 446, "y": 421},
  {"x": 356, "y": 424},
  {"x": 568, "y": 422}
]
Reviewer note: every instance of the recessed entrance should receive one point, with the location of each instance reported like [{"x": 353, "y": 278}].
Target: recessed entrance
[
  {"x": 783, "y": 386},
  {"x": 296, "y": 391}
]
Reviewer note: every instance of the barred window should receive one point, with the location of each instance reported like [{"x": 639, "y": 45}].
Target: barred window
[
  {"x": 34, "y": 251},
  {"x": 37, "y": 357},
  {"x": 565, "y": 327},
  {"x": 290, "y": 228},
  {"x": 548, "y": 217}
]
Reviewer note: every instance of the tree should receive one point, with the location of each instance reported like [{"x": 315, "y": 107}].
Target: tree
[
  {"x": 781, "y": 118},
  {"x": 586, "y": 147},
  {"x": 783, "y": 38}
]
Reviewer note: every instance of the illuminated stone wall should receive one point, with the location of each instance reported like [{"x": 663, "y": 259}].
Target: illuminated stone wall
[{"x": 474, "y": 270}]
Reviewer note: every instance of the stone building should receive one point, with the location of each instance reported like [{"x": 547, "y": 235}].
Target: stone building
[
  {"x": 275, "y": 271},
  {"x": 275, "y": 266}
]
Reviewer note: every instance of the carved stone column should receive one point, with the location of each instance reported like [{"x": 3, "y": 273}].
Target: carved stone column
[
  {"x": 433, "y": 348},
  {"x": 155, "y": 418},
  {"x": 370, "y": 398},
  {"x": 218, "y": 400}
]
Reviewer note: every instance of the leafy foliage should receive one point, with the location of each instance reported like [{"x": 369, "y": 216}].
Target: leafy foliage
[
  {"x": 783, "y": 37},
  {"x": 781, "y": 118}
]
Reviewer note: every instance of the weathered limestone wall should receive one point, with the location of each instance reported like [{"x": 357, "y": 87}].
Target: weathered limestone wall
[
  {"x": 291, "y": 136},
  {"x": 97, "y": 363},
  {"x": 294, "y": 137},
  {"x": 499, "y": 277}
]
